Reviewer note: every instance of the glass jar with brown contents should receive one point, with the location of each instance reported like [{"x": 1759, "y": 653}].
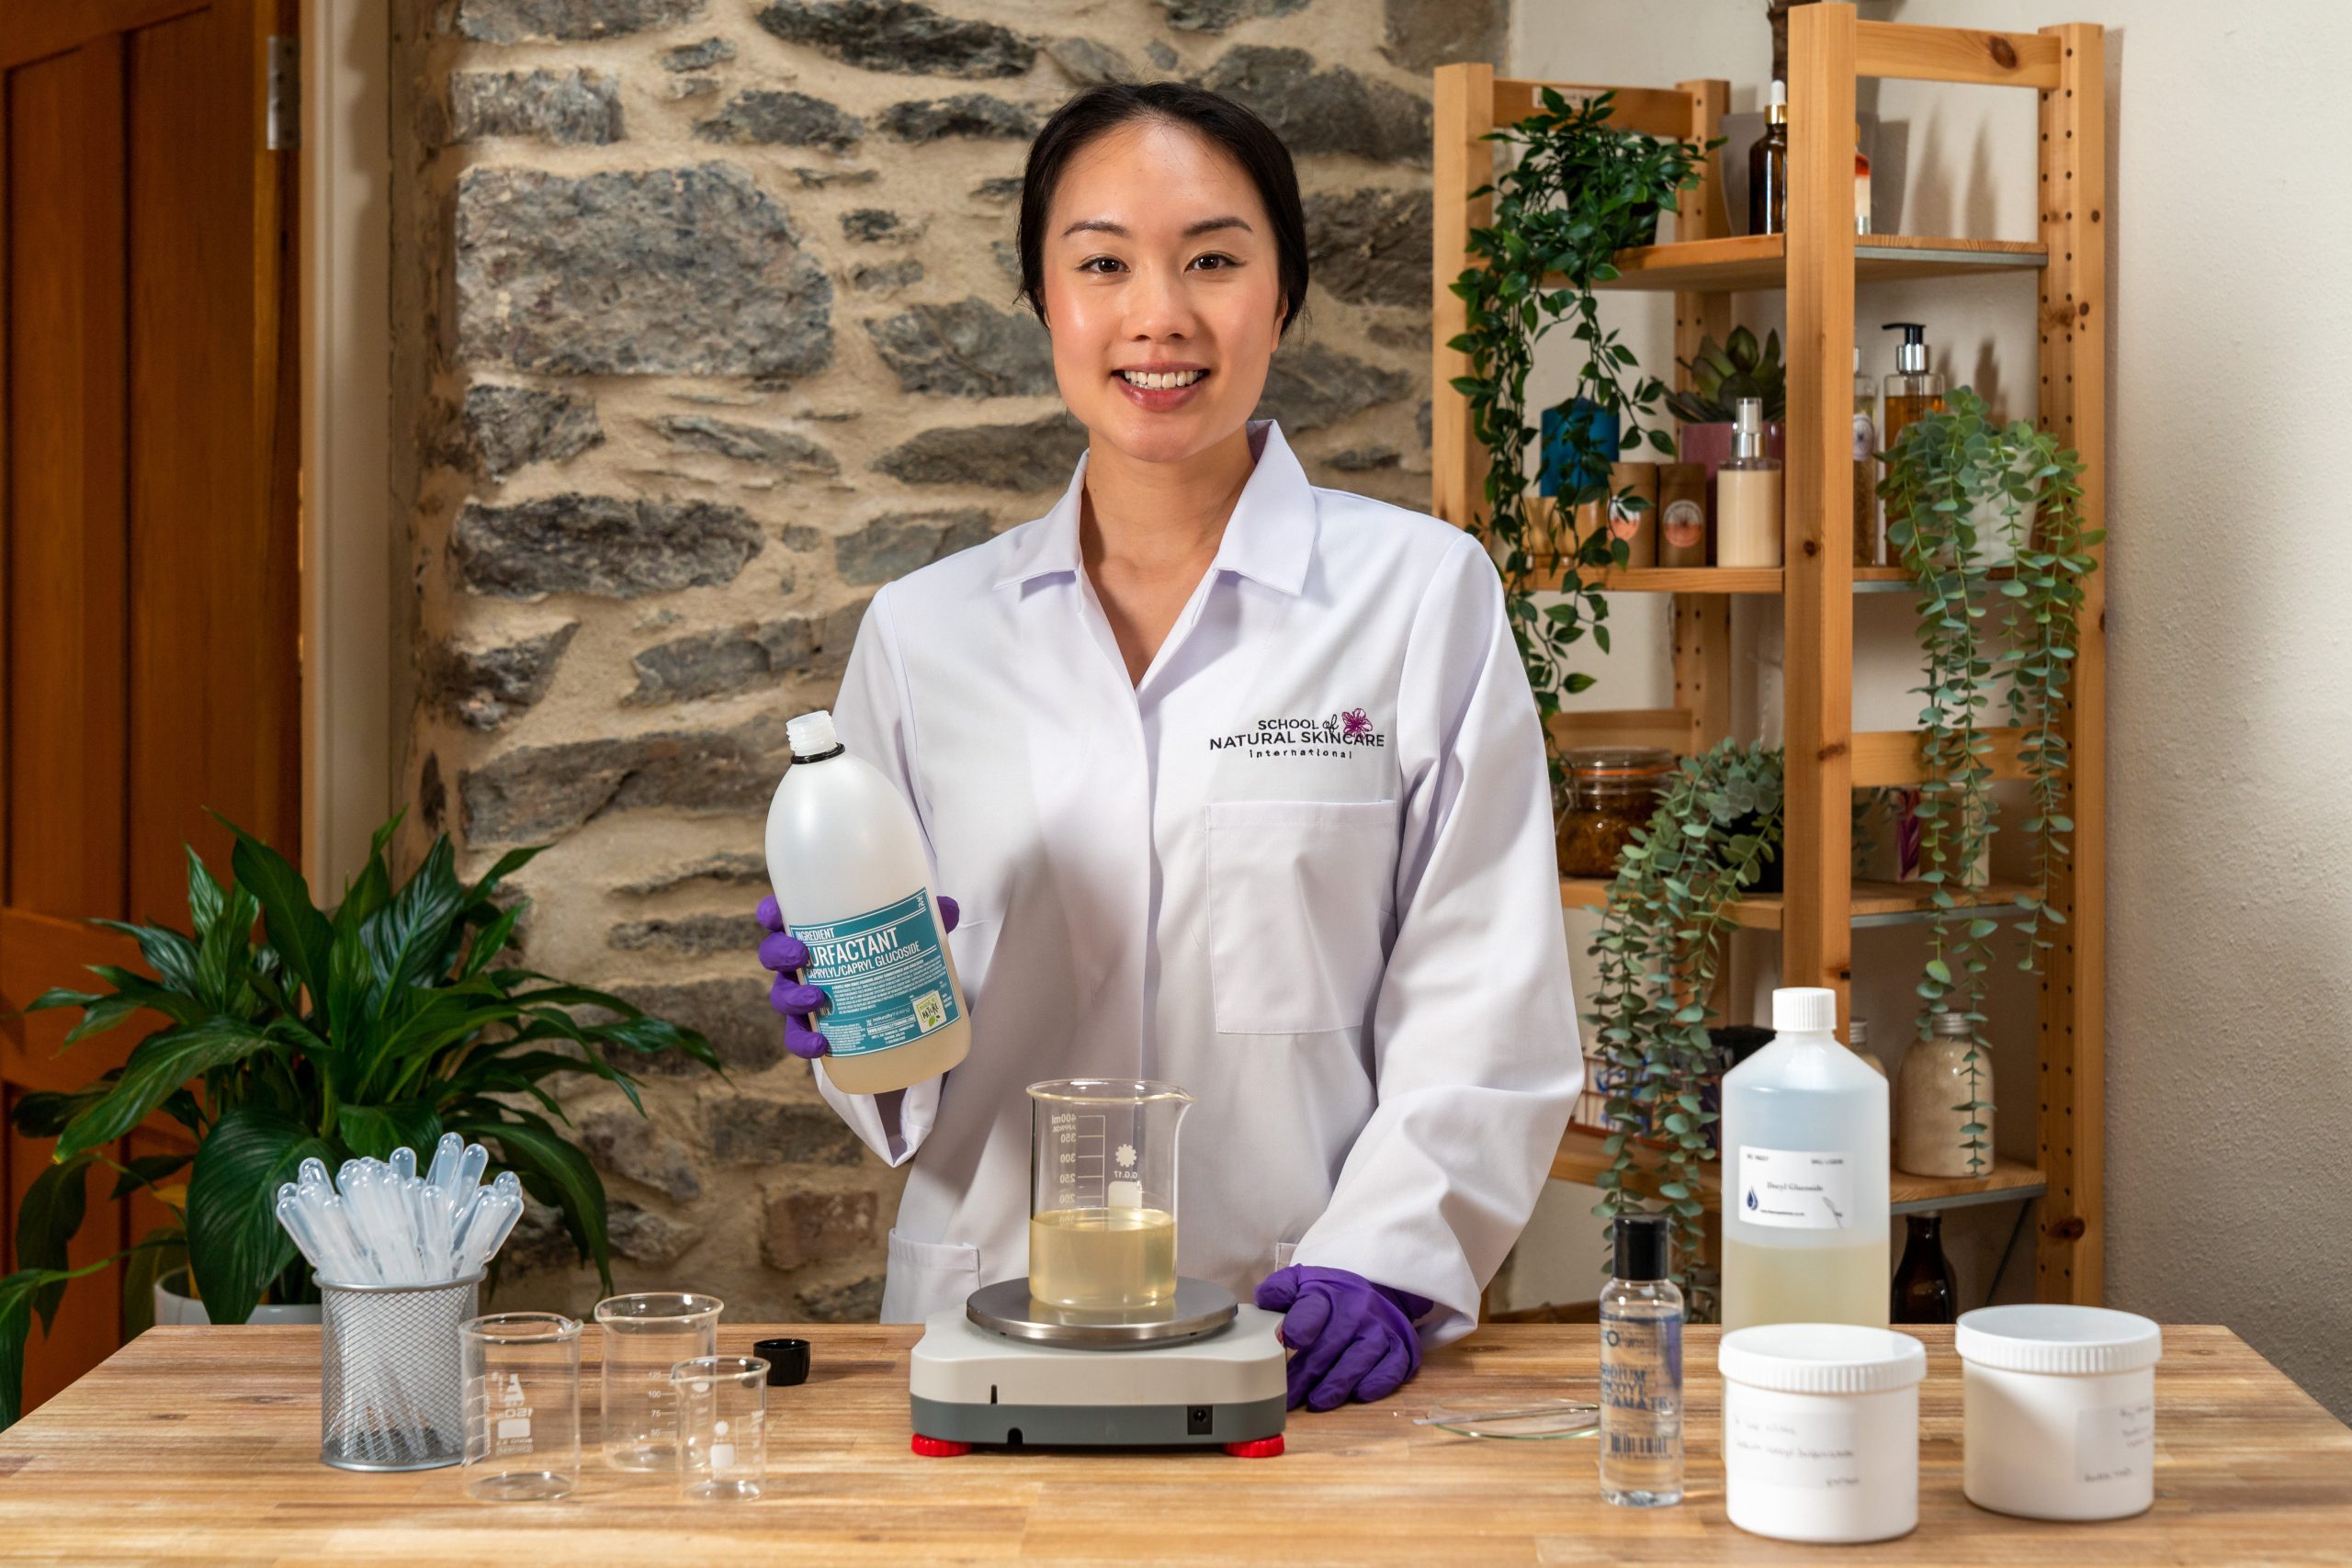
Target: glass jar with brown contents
[{"x": 1612, "y": 791}]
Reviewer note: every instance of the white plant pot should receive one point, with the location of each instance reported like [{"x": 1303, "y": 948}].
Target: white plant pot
[{"x": 177, "y": 1310}]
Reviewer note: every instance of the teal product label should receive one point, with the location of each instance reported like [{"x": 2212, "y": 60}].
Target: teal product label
[{"x": 887, "y": 974}]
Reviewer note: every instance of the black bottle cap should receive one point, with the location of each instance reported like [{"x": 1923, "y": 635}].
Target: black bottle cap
[
  {"x": 788, "y": 1360},
  {"x": 1644, "y": 1242}
]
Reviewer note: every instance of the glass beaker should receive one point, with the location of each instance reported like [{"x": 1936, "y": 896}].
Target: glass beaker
[
  {"x": 722, "y": 1426},
  {"x": 522, "y": 1379},
  {"x": 645, "y": 1335},
  {"x": 1102, "y": 1192}
]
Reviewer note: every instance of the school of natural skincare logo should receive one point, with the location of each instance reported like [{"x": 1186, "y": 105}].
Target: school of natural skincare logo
[{"x": 1345, "y": 734}]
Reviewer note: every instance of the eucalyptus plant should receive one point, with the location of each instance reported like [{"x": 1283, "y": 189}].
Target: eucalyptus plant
[
  {"x": 1575, "y": 191},
  {"x": 1957, "y": 483},
  {"x": 382, "y": 1023},
  {"x": 1660, "y": 945}
]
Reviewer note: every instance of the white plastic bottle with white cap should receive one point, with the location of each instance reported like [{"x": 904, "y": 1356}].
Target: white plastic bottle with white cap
[
  {"x": 1804, "y": 1176},
  {"x": 846, "y": 857}
]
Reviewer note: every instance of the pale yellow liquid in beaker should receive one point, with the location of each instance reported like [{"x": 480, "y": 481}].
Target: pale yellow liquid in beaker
[
  {"x": 1103, "y": 1259},
  {"x": 1804, "y": 1284}
]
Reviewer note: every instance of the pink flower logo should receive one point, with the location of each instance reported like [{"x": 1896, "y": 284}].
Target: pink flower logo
[{"x": 1355, "y": 722}]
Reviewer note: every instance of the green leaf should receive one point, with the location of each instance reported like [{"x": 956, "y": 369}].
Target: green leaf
[
  {"x": 375, "y": 1131},
  {"x": 161, "y": 1251},
  {"x": 235, "y": 1244},
  {"x": 299, "y": 933},
  {"x": 405, "y": 939},
  {"x": 145, "y": 1170},
  {"x": 158, "y": 1066},
  {"x": 47, "y": 1222}
]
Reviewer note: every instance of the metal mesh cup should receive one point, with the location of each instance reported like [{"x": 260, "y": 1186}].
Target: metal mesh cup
[{"x": 391, "y": 1384}]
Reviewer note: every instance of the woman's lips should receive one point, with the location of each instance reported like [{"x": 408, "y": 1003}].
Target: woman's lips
[{"x": 1158, "y": 399}]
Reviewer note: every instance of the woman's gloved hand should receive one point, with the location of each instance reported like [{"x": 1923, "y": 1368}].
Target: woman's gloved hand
[
  {"x": 1349, "y": 1339},
  {"x": 800, "y": 1002}
]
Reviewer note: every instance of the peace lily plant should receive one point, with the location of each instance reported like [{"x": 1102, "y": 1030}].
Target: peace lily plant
[{"x": 381, "y": 1024}]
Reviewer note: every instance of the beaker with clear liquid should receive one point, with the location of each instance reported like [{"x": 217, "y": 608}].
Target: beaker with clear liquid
[{"x": 1102, "y": 1192}]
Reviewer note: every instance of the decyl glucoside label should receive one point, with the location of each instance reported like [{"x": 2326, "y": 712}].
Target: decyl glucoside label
[{"x": 1801, "y": 1189}]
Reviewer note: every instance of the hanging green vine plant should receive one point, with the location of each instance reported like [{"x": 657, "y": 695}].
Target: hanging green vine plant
[
  {"x": 1577, "y": 192},
  {"x": 1957, "y": 485},
  {"x": 1660, "y": 945}
]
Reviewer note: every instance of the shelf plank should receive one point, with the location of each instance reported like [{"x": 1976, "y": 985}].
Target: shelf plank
[
  {"x": 1750, "y": 262},
  {"x": 1872, "y": 903},
  {"x": 1890, "y": 758},
  {"x": 1579, "y": 1158},
  {"x": 1675, "y": 579},
  {"x": 1955, "y": 54}
]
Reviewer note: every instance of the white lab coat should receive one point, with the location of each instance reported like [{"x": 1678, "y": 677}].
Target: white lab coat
[{"x": 1348, "y": 947}]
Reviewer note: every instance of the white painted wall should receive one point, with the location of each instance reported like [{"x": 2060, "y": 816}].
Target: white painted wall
[{"x": 2230, "y": 884}]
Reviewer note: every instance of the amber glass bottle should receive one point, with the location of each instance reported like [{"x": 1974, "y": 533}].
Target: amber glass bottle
[{"x": 1768, "y": 168}]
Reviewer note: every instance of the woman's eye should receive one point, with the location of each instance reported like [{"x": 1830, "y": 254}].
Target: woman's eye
[
  {"x": 1102, "y": 266},
  {"x": 1215, "y": 262}
]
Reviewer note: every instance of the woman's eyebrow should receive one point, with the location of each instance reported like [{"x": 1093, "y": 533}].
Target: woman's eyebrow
[{"x": 1192, "y": 231}]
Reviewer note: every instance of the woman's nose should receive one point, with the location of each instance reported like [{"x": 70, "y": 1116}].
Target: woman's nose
[{"x": 1158, "y": 306}]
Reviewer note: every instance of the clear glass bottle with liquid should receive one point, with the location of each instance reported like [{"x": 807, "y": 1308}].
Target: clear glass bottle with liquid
[
  {"x": 1870, "y": 540},
  {"x": 1641, "y": 1369},
  {"x": 1913, "y": 391},
  {"x": 1804, "y": 1189}
]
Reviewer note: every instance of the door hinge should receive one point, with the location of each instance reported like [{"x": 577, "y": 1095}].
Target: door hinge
[{"x": 282, "y": 123}]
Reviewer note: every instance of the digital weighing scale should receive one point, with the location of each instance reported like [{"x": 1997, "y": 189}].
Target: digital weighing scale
[{"x": 1007, "y": 1369}]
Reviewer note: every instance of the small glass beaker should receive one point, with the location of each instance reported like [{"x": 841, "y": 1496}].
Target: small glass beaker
[
  {"x": 645, "y": 1335},
  {"x": 522, "y": 1372},
  {"x": 1102, "y": 1192},
  {"x": 722, "y": 1426}
]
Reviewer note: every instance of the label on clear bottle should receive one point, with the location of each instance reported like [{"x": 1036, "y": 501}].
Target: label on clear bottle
[
  {"x": 887, "y": 974},
  {"x": 2114, "y": 1442},
  {"x": 1796, "y": 1189},
  {"x": 1816, "y": 1449}
]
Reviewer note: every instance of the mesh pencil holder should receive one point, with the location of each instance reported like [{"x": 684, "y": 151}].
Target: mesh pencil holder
[{"x": 391, "y": 1387}]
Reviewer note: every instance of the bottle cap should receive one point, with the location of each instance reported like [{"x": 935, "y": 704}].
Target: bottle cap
[
  {"x": 1821, "y": 1358},
  {"x": 1911, "y": 354},
  {"x": 2075, "y": 1341},
  {"x": 1858, "y": 1033},
  {"x": 1805, "y": 1009},
  {"x": 811, "y": 734},
  {"x": 1644, "y": 1244},
  {"x": 1951, "y": 1026},
  {"x": 1776, "y": 105},
  {"x": 788, "y": 1360}
]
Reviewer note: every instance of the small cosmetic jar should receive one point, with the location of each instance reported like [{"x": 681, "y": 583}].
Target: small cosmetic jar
[
  {"x": 1820, "y": 1431},
  {"x": 2060, "y": 1404}
]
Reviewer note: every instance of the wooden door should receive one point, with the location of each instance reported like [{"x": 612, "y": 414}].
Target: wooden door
[{"x": 148, "y": 555}]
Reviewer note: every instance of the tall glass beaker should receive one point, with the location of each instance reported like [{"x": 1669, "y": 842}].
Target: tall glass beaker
[{"x": 1102, "y": 1192}]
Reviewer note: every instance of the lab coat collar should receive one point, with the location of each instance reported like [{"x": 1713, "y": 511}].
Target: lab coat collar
[{"x": 1270, "y": 539}]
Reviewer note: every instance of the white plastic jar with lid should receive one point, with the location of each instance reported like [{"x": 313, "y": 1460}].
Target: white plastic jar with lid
[
  {"x": 2060, "y": 1409},
  {"x": 1821, "y": 1430}
]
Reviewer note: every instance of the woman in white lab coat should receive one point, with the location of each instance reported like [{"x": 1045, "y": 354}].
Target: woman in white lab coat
[{"x": 1240, "y": 786}]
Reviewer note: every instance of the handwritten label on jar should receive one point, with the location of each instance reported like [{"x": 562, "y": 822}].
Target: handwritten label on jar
[
  {"x": 2114, "y": 1442},
  {"x": 1818, "y": 1450},
  {"x": 1685, "y": 523},
  {"x": 1796, "y": 1189}
]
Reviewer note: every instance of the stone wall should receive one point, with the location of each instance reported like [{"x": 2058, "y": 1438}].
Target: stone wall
[{"x": 718, "y": 331}]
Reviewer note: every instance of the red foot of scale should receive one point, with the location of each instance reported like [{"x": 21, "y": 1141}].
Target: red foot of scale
[
  {"x": 1259, "y": 1447},
  {"x": 939, "y": 1447}
]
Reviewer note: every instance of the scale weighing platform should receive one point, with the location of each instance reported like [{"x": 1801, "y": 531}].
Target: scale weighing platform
[{"x": 1007, "y": 1369}]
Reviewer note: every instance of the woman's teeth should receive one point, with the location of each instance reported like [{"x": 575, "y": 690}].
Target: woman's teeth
[{"x": 1160, "y": 381}]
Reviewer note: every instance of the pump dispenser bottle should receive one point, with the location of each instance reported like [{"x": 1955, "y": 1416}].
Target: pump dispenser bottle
[
  {"x": 846, "y": 860},
  {"x": 1914, "y": 390},
  {"x": 1804, "y": 1187},
  {"x": 1748, "y": 496}
]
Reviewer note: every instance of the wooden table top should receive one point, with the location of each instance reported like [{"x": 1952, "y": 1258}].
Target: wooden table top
[{"x": 201, "y": 1445}]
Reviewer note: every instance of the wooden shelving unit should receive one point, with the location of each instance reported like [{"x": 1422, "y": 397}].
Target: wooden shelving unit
[
  {"x": 1871, "y": 903},
  {"x": 1818, "y": 264},
  {"x": 1582, "y": 1159}
]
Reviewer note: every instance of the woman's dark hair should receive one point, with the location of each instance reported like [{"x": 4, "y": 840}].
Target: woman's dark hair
[{"x": 1243, "y": 137}]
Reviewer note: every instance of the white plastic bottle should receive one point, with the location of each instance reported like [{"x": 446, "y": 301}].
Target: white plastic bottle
[
  {"x": 1804, "y": 1176},
  {"x": 846, "y": 860}
]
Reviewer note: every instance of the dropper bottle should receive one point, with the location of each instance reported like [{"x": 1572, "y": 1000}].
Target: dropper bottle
[{"x": 1768, "y": 168}]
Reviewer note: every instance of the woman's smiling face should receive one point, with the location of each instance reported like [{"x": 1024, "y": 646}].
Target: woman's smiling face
[{"x": 1160, "y": 290}]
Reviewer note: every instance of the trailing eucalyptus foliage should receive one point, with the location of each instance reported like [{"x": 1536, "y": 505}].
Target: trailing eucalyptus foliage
[
  {"x": 382, "y": 1023},
  {"x": 1660, "y": 944},
  {"x": 1576, "y": 191},
  {"x": 1957, "y": 484}
]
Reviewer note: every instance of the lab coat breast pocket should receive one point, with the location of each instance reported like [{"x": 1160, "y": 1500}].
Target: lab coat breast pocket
[{"x": 1300, "y": 894}]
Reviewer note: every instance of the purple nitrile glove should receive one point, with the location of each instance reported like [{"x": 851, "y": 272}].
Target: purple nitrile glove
[
  {"x": 1349, "y": 1339},
  {"x": 799, "y": 1003}
]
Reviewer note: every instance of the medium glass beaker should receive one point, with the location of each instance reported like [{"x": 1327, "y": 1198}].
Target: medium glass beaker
[
  {"x": 645, "y": 1335},
  {"x": 1102, "y": 1192},
  {"x": 522, "y": 1372}
]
